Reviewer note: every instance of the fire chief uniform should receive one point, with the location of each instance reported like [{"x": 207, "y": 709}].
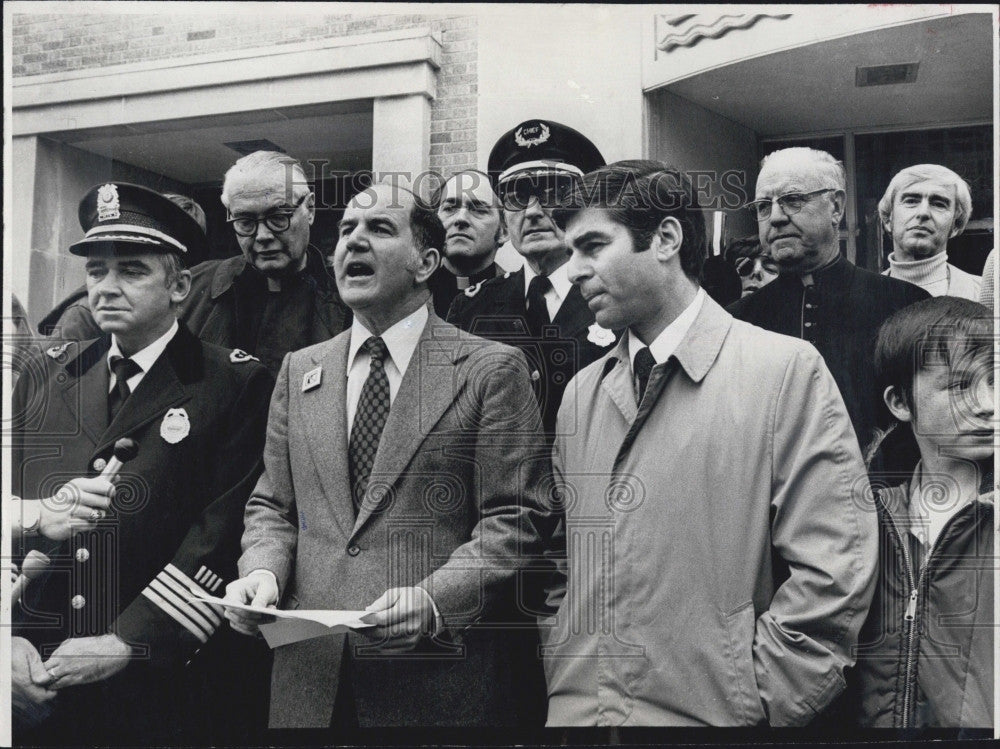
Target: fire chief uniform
[
  {"x": 198, "y": 416},
  {"x": 495, "y": 309}
]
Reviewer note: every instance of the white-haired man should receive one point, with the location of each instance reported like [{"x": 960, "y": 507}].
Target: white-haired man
[
  {"x": 923, "y": 207},
  {"x": 819, "y": 294}
]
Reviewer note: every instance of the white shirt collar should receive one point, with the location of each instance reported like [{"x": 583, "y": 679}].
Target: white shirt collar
[
  {"x": 559, "y": 278},
  {"x": 401, "y": 339},
  {"x": 670, "y": 337},
  {"x": 147, "y": 356}
]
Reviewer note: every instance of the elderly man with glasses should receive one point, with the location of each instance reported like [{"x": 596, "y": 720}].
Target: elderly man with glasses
[
  {"x": 819, "y": 295},
  {"x": 278, "y": 295}
]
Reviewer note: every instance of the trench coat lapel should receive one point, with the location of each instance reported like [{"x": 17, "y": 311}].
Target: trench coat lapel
[
  {"x": 425, "y": 393},
  {"x": 324, "y": 413}
]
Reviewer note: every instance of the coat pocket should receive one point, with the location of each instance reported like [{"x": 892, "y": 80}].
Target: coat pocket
[{"x": 741, "y": 624}]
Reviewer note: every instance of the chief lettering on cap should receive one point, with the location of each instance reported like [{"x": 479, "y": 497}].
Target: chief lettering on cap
[
  {"x": 132, "y": 218},
  {"x": 542, "y": 145}
]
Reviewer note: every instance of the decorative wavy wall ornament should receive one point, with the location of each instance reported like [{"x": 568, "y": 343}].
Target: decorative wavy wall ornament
[{"x": 688, "y": 30}]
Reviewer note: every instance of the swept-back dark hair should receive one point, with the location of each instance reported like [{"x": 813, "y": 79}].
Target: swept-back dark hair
[
  {"x": 638, "y": 195},
  {"x": 941, "y": 330}
]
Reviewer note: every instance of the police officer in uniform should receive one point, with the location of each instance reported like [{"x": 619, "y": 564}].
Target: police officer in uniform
[
  {"x": 537, "y": 308},
  {"x": 110, "y": 631}
]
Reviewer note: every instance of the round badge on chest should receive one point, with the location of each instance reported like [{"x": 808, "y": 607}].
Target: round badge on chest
[{"x": 175, "y": 425}]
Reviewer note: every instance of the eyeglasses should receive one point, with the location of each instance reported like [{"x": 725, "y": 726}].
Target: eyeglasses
[
  {"x": 745, "y": 266},
  {"x": 550, "y": 189},
  {"x": 277, "y": 222},
  {"x": 790, "y": 203}
]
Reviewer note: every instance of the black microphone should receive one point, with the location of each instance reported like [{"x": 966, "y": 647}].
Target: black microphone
[
  {"x": 125, "y": 450},
  {"x": 34, "y": 565}
]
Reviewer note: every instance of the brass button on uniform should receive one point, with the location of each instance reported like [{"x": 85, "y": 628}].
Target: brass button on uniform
[
  {"x": 78, "y": 602},
  {"x": 100, "y": 464},
  {"x": 353, "y": 550},
  {"x": 82, "y": 555}
]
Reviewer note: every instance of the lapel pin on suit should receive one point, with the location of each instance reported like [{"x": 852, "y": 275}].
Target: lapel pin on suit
[{"x": 312, "y": 379}]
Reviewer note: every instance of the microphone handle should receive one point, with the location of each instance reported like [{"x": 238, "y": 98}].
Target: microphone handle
[{"x": 111, "y": 469}]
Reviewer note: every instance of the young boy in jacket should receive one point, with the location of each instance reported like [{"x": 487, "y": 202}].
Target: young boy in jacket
[{"x": 925, "y": 655}]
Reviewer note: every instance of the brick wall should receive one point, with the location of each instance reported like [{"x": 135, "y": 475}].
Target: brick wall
[{"x": 50, "y": 43}]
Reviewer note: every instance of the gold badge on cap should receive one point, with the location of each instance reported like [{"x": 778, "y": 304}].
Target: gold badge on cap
[
  {"x": 531, "y": 135},
  {"x": 108, "y": 207},
  {"x": 175, "y": 426},
  {"x": 312, "y": 379}
]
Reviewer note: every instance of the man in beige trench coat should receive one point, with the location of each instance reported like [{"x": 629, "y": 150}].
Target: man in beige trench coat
[{"x": 721, "y": 540}]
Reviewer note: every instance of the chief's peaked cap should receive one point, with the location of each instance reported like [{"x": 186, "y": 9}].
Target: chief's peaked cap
[
  {"x": 543, "y": 140},
  {"x": 138, "y": 219}
]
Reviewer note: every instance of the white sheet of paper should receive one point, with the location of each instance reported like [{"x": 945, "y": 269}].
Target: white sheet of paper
[{"x": 297, "y": 624}]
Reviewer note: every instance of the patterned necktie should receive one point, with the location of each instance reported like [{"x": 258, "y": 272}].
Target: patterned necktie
[
  {"x": 369, "y": 419},
  {"x": 123, "y": 368},
  {"x": 536, "y": 308},
  {"x": 643, "y": 365}
]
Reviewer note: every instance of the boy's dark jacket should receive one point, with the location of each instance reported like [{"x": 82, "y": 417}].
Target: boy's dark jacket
[{"x": 935, "y": 670}]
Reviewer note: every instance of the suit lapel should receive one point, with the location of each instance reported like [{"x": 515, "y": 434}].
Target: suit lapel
[
  {"x": 161, "y": 388},
  {"x": 573, "y": 314},
  {"x": 420, "y": 403},
  {"x": 324, "y": 413},
  {"x": 86, "y": 396}
]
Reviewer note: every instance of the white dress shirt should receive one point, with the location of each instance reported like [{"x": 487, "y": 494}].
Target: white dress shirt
[
  {"x": 670, "y": 337},
  {"x": 144, "y": 358},
  {"x": 401, "y": 341},
  {"x": 557, "y": 292}
]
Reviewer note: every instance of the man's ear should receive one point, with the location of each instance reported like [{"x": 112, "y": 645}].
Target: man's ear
[
  {"x": 181, "y": 287},
  {"x": 502, "y": 236},
  {"x": 311, "y": 207},
  {"x": 897, "y": 404},
  {"x": 668, "y": 238},
  {"x": 430, "y": 259},
  {"x": 839, "y": 203}
]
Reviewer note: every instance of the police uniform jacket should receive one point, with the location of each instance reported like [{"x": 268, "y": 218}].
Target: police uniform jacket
[
  {"x": 198, "y": 417},
  {"x": 495, "y": 310}
]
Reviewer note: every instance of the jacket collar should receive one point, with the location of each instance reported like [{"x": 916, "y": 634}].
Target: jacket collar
[
  {"x": 699, "y": 348},
  {"x": 836, "y": 271},
  {"x": 228, "y": 270}
]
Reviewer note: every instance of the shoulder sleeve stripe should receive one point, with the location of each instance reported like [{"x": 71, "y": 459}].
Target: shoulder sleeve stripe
[{"x": 168, "y": 608}]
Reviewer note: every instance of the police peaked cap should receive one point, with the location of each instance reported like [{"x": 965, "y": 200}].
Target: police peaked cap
[
  {"x": 137, "y": 219},
  {"x": 545, "y": 141}
]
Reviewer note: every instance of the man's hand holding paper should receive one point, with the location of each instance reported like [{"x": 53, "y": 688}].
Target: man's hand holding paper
[{"x": 259, "y": 588}]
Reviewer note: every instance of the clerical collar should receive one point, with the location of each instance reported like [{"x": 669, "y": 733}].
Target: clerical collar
[{"x": 808, "y": 279}]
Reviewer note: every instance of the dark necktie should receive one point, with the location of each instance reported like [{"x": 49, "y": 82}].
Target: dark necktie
[
  {"x": 123, "y": 368},
  {"x": 643, "y": 365},
  {"x": 369, "y": 419},
  {"x": 537, "y": 311}
]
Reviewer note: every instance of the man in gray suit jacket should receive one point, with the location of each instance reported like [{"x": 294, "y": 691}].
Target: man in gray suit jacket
[{"x": 403, "y": 473}]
